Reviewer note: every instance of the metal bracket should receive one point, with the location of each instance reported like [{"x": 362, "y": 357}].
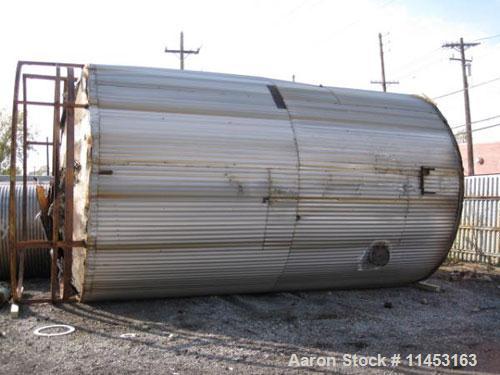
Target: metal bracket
[{"x": 425, "y": 171}]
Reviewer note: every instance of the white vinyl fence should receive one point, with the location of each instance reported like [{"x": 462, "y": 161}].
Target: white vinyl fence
[{"x": 478, "y": 238}]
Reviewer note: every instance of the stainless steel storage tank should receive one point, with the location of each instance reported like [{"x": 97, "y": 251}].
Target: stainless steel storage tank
[
  {"x": 37, "y": 261},
  {"x": 199, "y": 183}
]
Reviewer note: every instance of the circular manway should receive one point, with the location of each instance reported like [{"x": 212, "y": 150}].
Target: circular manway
[{"x": 56, "y": 330}]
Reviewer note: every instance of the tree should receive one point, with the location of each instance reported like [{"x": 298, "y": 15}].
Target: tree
[{"x": 5, "y": 134}]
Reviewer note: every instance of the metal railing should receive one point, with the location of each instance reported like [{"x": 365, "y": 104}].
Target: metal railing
[{"x": 60, "y": 235}]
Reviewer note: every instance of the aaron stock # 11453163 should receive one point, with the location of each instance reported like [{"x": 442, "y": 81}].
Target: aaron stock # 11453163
[{"x": 347, "y": 360}]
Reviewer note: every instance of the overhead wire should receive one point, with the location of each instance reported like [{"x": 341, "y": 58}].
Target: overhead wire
[
  {"x": 365, "y": 14},
  {"x": 470, "y": 87},
  {"x": 420, "y": 66},
  {"x": 477, "y": 121},
  {"x": 418, "y": 60},
  {"x": 488, "y": 37},
  {"x": 486, "y": 127},
  {"x": 478, "y": 129}
]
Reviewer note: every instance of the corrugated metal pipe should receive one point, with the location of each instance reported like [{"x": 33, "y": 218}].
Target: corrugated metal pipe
[{"x": 37, "y": 261}]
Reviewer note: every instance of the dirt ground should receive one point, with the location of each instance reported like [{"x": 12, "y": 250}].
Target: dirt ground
[{"x": 258, "y": 334}]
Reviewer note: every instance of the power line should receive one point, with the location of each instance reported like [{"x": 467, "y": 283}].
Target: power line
[
  {"x": 477, "y": 121},
  {"x": 182, "y": 51},
  {"x": 483, "y": 128},
  {"x": 486, "y": 127},
  {"x": 470, "y": 87},
  {"x": 297, "y": 7},
  {"x": 419, "y": 68},
  {"x": 364, "y": 15},
  {"x": 314, "y": 5},
  {"x": 488, "y": 37},
  {"x": 419, "y": 60}
]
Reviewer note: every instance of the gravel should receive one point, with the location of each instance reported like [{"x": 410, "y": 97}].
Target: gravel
[{"x": 257, "y": 334}]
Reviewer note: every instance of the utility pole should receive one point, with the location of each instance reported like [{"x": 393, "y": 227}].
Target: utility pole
[
  {"x": 182, "y": 51},
  {"x": 384, "y": 83},
  {"x": 461, "y": 47}
]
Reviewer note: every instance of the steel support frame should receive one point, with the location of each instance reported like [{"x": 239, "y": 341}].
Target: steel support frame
[{"x": 17, "y": 246}]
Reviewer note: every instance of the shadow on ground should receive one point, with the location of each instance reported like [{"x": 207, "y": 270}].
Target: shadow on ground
[{"x": 259, "y": 333}]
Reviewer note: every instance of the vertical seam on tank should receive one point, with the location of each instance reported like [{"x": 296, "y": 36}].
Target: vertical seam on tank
[
  {"x": 269, "y": 184},
  {"x": 406, "y": 213},
  {"x": 292, "y": 239},
  {"x": 299, "y": 181}
]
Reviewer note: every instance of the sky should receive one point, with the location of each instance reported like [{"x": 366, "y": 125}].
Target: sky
[{"x": 327, "y": 42}]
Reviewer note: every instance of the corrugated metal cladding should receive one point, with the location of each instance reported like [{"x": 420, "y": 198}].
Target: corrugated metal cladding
[
  {"x": 37, "y": 261},
  {"x": 478, "y": 237},
  {"x": 206, "y": 183}
]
